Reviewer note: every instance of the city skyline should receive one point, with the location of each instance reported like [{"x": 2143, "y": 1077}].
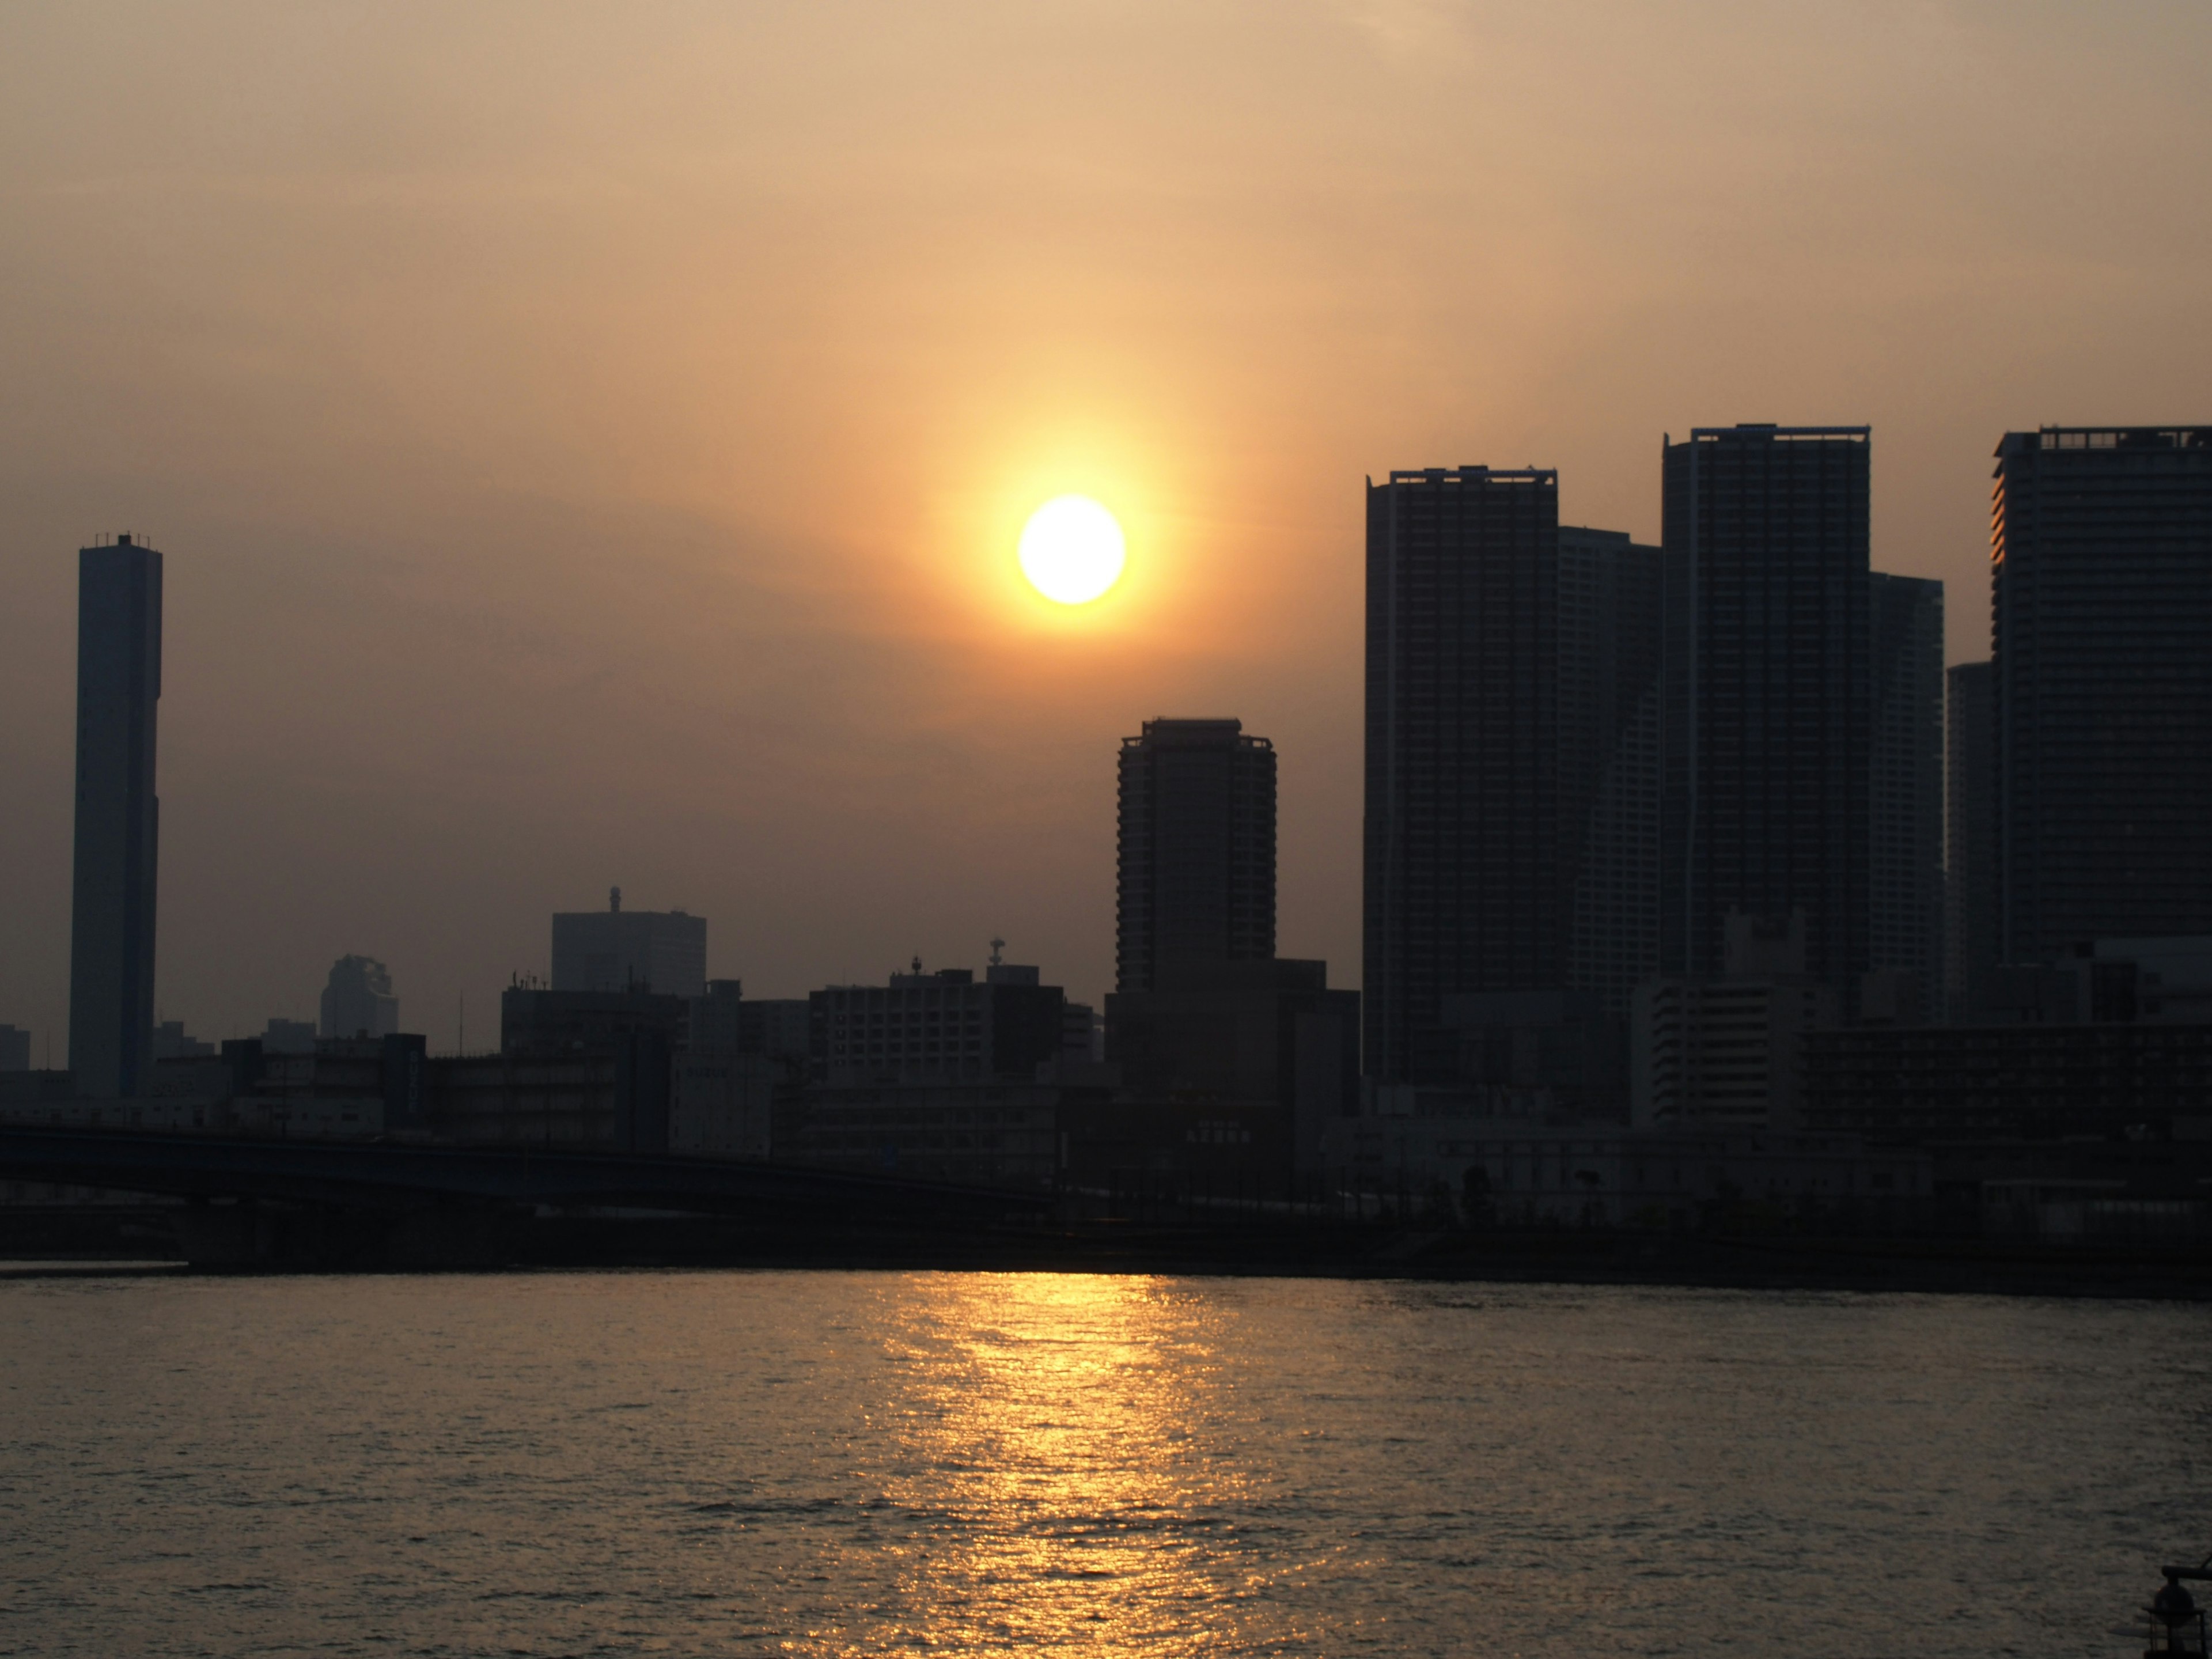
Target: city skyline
[{"x": 568, "y": 484}]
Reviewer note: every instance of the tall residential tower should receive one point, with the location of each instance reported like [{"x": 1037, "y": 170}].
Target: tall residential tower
[
  {"x": 1196, "y": 873},
  {"x": 2101, "y": 653},
  {"x": 118, "y": 687}
]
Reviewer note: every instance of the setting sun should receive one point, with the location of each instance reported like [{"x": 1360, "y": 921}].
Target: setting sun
[{"x": 1072, "y": 549}]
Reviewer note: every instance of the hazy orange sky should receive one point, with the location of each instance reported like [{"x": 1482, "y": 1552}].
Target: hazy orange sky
[{"x": 589, "y": 443}]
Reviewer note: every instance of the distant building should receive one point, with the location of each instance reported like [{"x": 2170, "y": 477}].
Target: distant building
[
  {"x": 1768, "y": 693},
  {"x": 1513, "y": 729},
  {"x": 1265, "y": 1037},
  {"x": 14, "y": 1049},
  {"x": 926, "y": 1030},
  {"x": 1904, "y": 800},
  {"x": 2101, "y": 648},
  {"x": 640, "y": 1035},
  {"x": 173, "y": 1041},
  {"x": 1196, "y": 851},
  {"x": 289, "y": 1036},
  {"x": 358, "y": 1002},
  {"x": 1974, "y": 919},
  {"x": 118, "y": 690},
  {"x": 619, "y": 950},
  {"x": 1723, "y": 1052},
  {"x": 724, "y": 1093}
]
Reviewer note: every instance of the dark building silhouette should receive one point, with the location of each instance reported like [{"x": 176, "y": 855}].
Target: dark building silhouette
[
  {"x": 1462, "y": 833},
  {"x": 2101, "y": 647},
  {"x": 1196, "y": 876},
  {"x": 925, "y": 1030},
  {"x": 1904, "y": 801},
  {"x": 14, "y": 1049},
  {"x": 1609, "y": 609},
  {"x": 118, "y": 688},
  {"x": 1973, "y": 920},
  {"x": 619, "y": 950},
  {"x": 1512, "y": 827},
  {"x": 1768, "y": 762}
]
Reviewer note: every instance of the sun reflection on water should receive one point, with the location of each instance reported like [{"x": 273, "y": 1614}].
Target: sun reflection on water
[{"x": 1069, "y": 1430}]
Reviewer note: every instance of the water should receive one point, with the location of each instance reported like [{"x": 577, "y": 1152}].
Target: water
[{"x": 818, "y": 1463}]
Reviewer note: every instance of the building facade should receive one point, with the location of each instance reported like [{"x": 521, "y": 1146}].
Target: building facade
[
  {"x": 118, "y": 690},
  {"x": 1768, "y": 691},
  {"x": 2101, "y": 648},
  {"x": 1462, "y": 888},
  {"x": 1905, "y": 798},
  {"x": 931, "y": 1030},
  {"x": 619, "y": 950},
  {"x": 1195, "y": 876},
  {"x": 1973, "y": 916}
]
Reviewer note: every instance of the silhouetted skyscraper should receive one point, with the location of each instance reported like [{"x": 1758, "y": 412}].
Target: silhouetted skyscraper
[
  {"x": 118, "y": 688},
  {"x": 1196, "y": 876},
  {"x": 1904, "y": 805},
  {"x": 2101, "y": 647},
  {"x": 1768, "y": 755},
  {"x": 1974, "y": 921},
  {"x": 1609, "y": 611}
]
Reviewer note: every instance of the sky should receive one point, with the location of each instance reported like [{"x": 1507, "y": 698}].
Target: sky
[{"x": 589, "y": 443}]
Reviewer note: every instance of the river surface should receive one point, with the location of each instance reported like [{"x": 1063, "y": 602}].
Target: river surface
[{"x": 820, "y": 1463}]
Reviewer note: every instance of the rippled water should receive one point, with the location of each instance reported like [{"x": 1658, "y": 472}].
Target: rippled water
[{"x": 827, "y": 1463}]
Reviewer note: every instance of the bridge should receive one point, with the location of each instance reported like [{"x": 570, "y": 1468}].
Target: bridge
[{"x": 284, "y": 1203}]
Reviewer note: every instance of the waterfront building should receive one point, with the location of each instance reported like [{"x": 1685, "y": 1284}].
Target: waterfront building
[
  {"x": 1904, "y": 796},
  {"x": 15, "y": 1049},
  {"x": 619, "y": 950},
  {"x": 1973, "y": 920},
  {"x": 118, "y": 690},
  {"x": 1195, "y": 851},
  {"x": 1768, "y": 760},
  {"x": 2101, "y": 648},
  {"x": 935, "y": 1029},
  {"x": 1513, "y": 730}
]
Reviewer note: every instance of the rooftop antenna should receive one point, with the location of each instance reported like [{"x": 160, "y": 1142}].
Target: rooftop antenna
[
  {"x": 917, "y": 964},
  {"x": 997, "y": 945}
]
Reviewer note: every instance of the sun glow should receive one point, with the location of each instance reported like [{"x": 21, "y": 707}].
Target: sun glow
[{"x": 1072, "y": 549}]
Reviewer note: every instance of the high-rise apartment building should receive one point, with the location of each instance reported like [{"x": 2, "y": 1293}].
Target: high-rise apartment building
[
  {"x": 119, "y": 688},
  {"x": 1513, "y": 728},
  {"x": 1462, "y": 834},
  {"x": 1609, "y": 611},
  {"x": 1767, "y": 761},
  {"x": 1973, "y": 919},
  {"x": 1905, "y": 800},
  {"x": 2101, "y": 651},
  {"x": 1196, "y": 871},
  {"x": 619, "y": 950}
]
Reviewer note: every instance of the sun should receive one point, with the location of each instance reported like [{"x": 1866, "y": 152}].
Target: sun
[{"x": 1072, "y": 549}]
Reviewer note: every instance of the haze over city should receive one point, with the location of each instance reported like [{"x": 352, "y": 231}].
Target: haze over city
[{"x": 589, "y": 446}]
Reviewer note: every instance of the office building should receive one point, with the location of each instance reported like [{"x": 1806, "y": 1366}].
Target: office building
[
  {"x": 931, "y": 1030},
  {"x": 173, "y": 1041},
  {"x": 118, "y": 690},
  {"x": 1513, "y": 734},
  {"x": 2101, "y": 648},
  {"x": 1973, "y": 919},
  {"x": 619, "y": 950},
  {"x": 357, "y": 1002},
  {"x": 1768, "y": 762},
  {"x": 15, "y": 1049},
  {"x": 1195, "y": 876},
  {"x": 1905, "y": 798}
]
